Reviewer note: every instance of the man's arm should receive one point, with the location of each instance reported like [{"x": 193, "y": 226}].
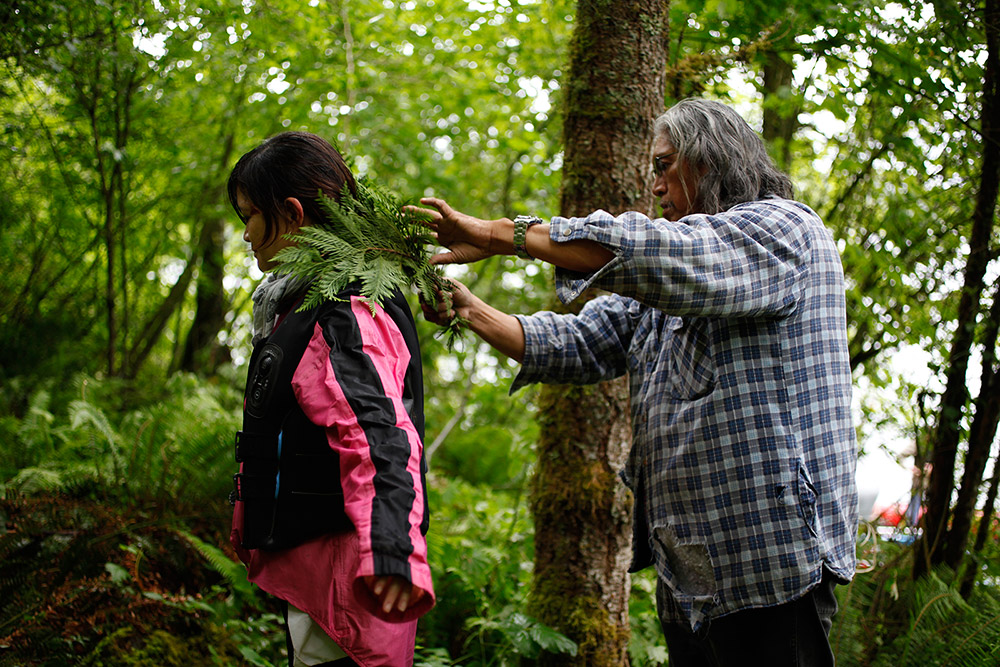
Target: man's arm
[
  {"x": 471, "y": 239},
  {"x": 745, "y": 262},
  {"x": 568, "y": 349}
]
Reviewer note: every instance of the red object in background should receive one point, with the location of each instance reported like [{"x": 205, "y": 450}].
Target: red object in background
[
  {"x": 891, "y": 515},
  {"x": 897, "y": 513}
]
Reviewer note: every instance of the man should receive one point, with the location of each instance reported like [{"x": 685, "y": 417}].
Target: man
[{"x": 728, "y": 315}]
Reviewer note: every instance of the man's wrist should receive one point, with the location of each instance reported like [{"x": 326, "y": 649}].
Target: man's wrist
[{"x": 521, "y": 225}]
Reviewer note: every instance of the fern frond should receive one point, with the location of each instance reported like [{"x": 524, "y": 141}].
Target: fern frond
[
  {"x": 380, "y": 277},
  {"x": 83, "y": 413},
  {"x": 372, "y": 241},
  {"x": 234, "y": 573},
  {"x": 945, "y": 629}
]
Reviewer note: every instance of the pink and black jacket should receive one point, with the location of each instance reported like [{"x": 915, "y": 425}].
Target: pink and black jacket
[{"x": 331, "y": 487}]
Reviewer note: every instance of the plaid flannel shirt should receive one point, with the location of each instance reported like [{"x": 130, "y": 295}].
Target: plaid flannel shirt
[{"x": 732, "y": 329}]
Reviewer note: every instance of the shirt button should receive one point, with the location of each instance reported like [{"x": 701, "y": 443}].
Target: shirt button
[{"x": 567, "y": 231}]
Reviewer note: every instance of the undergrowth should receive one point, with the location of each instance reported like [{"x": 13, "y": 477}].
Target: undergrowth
[
  {"x": 114, "y": 550},
  {"x": 886, "y": 619},
  {"x": 114, "y": 526}
]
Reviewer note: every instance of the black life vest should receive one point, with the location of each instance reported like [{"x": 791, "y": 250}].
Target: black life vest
[{"x": 290, "y": 479}]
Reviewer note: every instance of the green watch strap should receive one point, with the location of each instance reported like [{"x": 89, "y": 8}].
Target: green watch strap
[{"x": 521, "y": 225}]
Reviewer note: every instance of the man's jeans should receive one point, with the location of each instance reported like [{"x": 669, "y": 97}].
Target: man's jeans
[{"x": 794, "y": 634}]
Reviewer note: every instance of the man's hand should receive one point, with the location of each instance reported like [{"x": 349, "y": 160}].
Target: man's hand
[
  {"x": 394, "y": 592},
  {"x": 468, "y": 239},
  {"x": 497, "y": 328},
  {"x": 449, "y": 304}
]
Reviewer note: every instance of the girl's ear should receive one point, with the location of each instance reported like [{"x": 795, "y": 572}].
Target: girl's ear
[{"x": 296, "y": 215}]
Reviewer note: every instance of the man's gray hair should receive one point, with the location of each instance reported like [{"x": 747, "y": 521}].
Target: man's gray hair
[{"x": 716, "y": 142}]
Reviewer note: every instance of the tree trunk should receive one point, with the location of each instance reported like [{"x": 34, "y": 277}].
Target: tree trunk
[
  {"x": 780, "y": 124},
  {"x": 981, "y": 435},
  {"x": 931, "y": 547},
  {"x": 614, "y": 90},
  {"x": 202, "y": 351},
  {"x": 983, "y": 532}
]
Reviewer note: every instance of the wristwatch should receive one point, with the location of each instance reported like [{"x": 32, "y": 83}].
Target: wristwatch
[{"x": 521, "y": 225}]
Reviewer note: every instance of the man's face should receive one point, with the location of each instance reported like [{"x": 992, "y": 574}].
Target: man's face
[{"x": 676, "y": 184}]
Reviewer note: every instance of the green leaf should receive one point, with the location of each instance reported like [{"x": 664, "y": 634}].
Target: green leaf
[
  {"x": 371, "y": 240},
  {"x": 118, "y": 574}
]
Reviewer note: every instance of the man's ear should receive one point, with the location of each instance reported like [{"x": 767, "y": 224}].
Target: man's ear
[{"x": 296, "y": 214}]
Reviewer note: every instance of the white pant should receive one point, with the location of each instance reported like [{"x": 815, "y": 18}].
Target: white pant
[{"x": 310, "y": 642}]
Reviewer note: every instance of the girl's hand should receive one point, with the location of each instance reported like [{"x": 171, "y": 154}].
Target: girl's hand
[{"x": 394, "y": 592}]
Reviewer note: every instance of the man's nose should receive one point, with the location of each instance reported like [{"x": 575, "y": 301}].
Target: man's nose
[{"x": 659, "y": 186}]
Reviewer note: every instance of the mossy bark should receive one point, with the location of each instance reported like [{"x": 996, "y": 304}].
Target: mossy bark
[{"x": 614, "y": 90}]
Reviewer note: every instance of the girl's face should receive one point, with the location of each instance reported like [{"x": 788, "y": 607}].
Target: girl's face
[{"x": 255, "y": 233}]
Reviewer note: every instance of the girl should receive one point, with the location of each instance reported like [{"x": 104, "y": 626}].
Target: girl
[{"x": 330, "y": 509}]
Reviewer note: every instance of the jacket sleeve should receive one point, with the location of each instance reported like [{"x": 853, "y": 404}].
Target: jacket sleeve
[{"x": 351, "y": 381}]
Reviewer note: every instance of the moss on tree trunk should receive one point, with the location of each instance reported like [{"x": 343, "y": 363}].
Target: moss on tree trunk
[{"x": 614, "y": 89}]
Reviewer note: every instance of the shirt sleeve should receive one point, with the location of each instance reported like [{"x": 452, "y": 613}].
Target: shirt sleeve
[
  {"x": 351, "y": 381},
  {"x": 745, "y": 262},
  {"x": 589, "y": 347}
]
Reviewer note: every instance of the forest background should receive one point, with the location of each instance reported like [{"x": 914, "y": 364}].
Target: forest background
[{"x": 125, "y": 309}]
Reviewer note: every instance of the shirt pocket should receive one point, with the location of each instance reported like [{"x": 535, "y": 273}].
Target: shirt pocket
[{"x": 692, "y": 368}]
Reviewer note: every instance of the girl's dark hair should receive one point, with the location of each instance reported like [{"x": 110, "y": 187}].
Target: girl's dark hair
[{"x": 290, "y": 164}]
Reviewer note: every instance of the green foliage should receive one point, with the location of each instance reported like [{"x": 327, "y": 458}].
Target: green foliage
[
  {"x": 480, "y": 551},
  {"x": 372, "y": 239},
  {"x": 121, "y": 121},
  {"x": 125, "y": 580},
  {"x": 646, "y": 643},
  {"x": 492, "y": 443},
  {"x": 869, "y": 612},
  {"x": 239, "y": 609},
  {"x": 944, "y": 629},
  {"x": 527, "y": 636},
  {"x": 233, "y": 572},
  {"x": 175, "y": 446},
  {"x": 887, "y": 619},
  {"x": 101, "y": 189}
]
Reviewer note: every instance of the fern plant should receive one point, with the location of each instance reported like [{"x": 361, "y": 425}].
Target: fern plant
[
  {"x": 886, "y": 619},
  {"x": 372, "y": 240},
  {"x": 945, "y": 629},
  {"x": 176, "y": 446},
  {"x": 232, "y": 571}
]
